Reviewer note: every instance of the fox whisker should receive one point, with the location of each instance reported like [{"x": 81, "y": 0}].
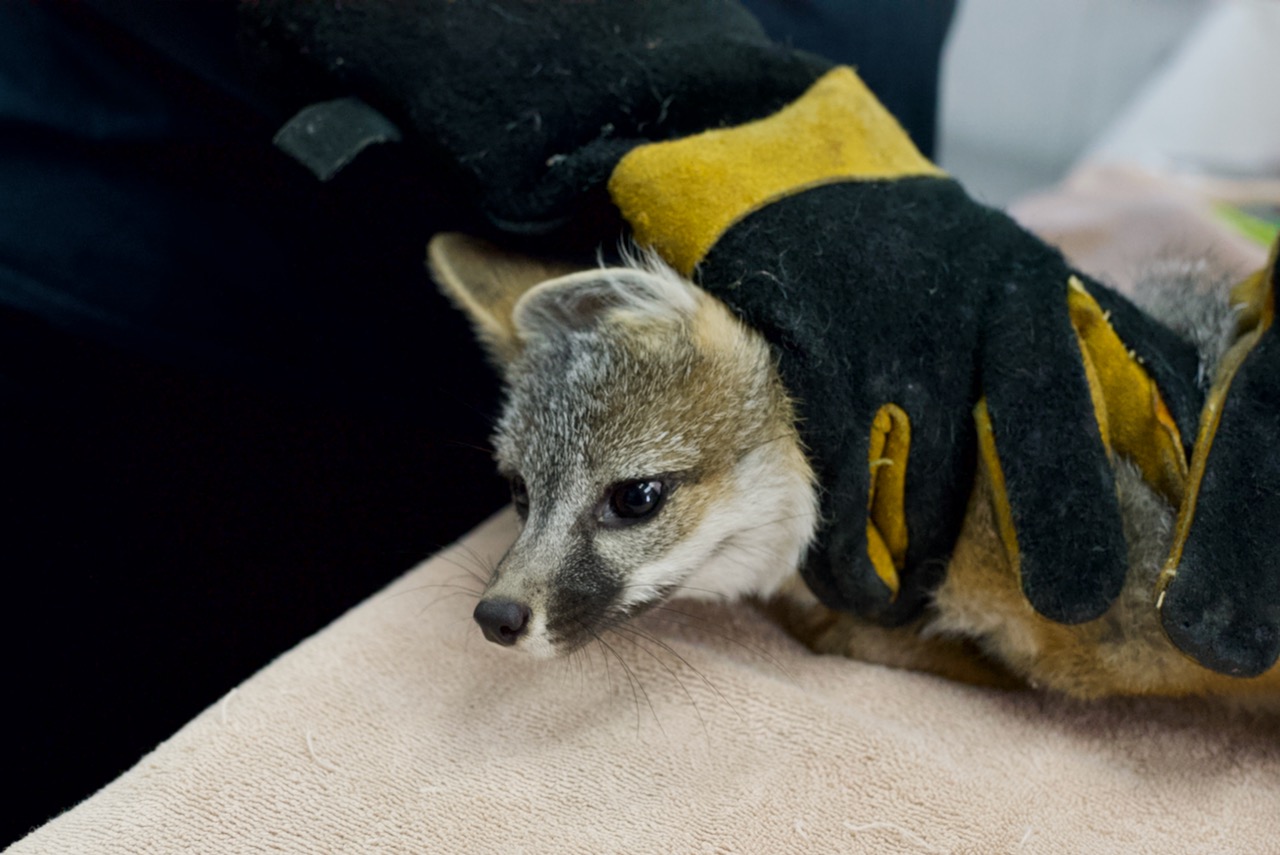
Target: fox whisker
[
  {"x": 699, "y": 623},
  {"x": 633, "y": 635},
  {"x": 634, "y": 682}
]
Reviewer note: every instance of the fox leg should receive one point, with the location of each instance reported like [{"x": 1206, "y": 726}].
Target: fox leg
[{"x": 824, "y": 630}]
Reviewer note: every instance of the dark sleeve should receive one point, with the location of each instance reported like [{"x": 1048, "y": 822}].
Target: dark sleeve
[{"x": 896, "y": 46}]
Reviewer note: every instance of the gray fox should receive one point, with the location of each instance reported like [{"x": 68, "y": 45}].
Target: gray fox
[{"x": 652, "y": 451}]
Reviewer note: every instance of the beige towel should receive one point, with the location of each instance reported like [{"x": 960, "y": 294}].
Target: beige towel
[{"x": 400, "y": 730}]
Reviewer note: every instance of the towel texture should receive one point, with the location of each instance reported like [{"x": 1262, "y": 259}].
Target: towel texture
[{"x": 399, "y": 729}]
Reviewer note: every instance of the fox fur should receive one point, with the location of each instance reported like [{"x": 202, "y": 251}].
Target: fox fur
[{"x": 632, "y": 374}]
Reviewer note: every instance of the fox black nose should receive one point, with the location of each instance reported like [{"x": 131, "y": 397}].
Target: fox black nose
[{"x": 503, "y": 621}]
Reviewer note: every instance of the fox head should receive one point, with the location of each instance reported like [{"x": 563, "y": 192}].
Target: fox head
[{"x": 650, "y": 444}]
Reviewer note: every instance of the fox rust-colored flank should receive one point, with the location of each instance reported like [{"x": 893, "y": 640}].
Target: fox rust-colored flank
[
  {"x": 653, "y": 453},
  {"x": 981, "y": 629}
]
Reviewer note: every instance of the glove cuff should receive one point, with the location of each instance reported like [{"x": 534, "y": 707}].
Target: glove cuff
[{"x": 681, "y": 196}]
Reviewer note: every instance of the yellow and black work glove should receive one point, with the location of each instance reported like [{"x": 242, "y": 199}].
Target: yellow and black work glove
[
  {"x": 900, "y": 309},
  {"x": 919, "y": 331}
]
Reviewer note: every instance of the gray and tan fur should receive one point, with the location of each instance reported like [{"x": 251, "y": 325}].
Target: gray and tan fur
[
  {"x": 633, "y": 375},
  {"x": 622, "y": 375}
]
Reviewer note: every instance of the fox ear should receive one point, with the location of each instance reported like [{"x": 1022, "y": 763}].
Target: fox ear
[
  {"x": 486, "y": 282},
  {"x": 645, "y": 293}
]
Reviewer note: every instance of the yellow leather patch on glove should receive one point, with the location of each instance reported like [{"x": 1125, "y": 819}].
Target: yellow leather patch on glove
[
  {"x": 681, "y": 196},
  {"x": 1132, "y": 417},
  {"x": 886, "y": 519},
  {"x": 999, "y": 492}
]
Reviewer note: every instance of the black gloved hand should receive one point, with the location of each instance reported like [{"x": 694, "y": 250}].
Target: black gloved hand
[
  {"x": 897, "y": 302},
  {"x": 533, "y": 102}
]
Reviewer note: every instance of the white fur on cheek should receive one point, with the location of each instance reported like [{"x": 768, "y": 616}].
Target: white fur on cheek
[{"x": 749, "y": 543}]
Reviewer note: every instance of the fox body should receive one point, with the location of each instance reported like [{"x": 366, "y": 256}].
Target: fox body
[{"x": 653, "y": 452}]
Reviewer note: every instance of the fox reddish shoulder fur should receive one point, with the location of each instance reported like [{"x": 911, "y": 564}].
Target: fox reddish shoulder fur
[{"x": 654, "y": 453}]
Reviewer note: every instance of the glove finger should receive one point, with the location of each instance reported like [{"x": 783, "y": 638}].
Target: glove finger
[
  {"x": 1042, "y": 441},
  {"x": 867, "y": 560},
  {"x": 1219, "y": 597}
]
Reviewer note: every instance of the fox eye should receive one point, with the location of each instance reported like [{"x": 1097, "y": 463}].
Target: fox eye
[
  {"x": 633, "y": 501},
  {"x": 520, "y": 496}
]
